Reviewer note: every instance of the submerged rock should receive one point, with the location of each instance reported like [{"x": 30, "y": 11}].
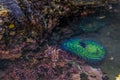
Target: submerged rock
[{"x": 91, "y": 24}]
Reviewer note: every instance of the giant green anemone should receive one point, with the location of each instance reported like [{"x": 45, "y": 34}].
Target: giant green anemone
[
  {"x": 89, "y": 50},
  {"x": 91, "y": 24}
]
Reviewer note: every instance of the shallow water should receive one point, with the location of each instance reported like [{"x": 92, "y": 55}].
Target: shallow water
[{"x": 109, "y": 36}]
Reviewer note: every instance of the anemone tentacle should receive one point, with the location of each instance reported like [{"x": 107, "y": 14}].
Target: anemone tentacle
[{"x": 89, "y": 50}]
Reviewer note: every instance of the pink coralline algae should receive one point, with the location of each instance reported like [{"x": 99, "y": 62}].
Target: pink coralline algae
[
  {"x": 50, "y": 64},
  {"x": 93, "y": 73}
]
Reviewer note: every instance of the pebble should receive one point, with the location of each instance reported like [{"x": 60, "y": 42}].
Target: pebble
[{"x": 111, "y": 58}]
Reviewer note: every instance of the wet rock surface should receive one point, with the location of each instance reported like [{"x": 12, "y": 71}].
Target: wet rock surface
[{"x": 46, "y": 22}]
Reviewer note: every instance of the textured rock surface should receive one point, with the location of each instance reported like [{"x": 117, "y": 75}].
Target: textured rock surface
[{"x": 35, "y": 19}]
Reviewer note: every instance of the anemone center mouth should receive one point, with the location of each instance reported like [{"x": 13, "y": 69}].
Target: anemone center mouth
[{"x": 82, "y": 44}]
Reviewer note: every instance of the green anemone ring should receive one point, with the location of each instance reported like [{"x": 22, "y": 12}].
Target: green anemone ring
[{"x": 89, "y": 50}]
